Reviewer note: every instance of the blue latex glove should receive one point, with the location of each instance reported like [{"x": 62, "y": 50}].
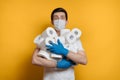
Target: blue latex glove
[
  {"x": 57, "y": 48},
  {"x": 64, "y": 64}
]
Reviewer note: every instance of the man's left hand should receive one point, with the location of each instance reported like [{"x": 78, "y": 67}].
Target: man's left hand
[{"x": 57, "y": 48}]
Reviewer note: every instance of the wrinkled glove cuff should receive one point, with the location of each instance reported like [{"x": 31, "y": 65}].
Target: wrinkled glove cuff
[{"x": 66, "y": 51}]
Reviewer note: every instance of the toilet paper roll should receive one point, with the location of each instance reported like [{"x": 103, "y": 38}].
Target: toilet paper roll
[
  {"x": 49, "y": 32},
  {"x": 70, "y": 38},
  {"x": 67, "y": 46},
  {"x": 61, "y": 38},
  {"x": 63, "y": 32},
  {"x": 71, "y": 47},
  {"x": 38, "y": 40},
  {"x": 77, "y": 32},
  {"x": 78, "y": 44},
  {"x": 46, "y": 42},
  {"x": 55, "y": 56},
  {"x": 44, "y": 54}
]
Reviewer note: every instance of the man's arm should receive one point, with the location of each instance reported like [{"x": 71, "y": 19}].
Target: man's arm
[
  {"x": 79, "y": 57},
  {"x": 40, "y": 61}
]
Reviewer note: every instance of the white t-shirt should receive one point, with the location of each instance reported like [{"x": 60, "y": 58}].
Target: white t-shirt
[{"x": 60, "y": 74}]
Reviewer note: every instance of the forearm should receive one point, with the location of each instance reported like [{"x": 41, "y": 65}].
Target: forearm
[
  {"x": 44, "y": 62},
  {"x": 37, "y": 60},
  {"x": 79, "y": 58}
]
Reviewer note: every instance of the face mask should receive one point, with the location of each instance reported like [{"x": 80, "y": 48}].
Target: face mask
[{"x": 59, "y": 24}]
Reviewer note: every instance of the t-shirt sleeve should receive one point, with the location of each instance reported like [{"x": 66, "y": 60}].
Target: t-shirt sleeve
[{"x": 79, "y": 45}]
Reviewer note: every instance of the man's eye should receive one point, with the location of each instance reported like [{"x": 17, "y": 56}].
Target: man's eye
[
  {"x": 55, "y": 17},
  {"x": 62, "y": 17}
]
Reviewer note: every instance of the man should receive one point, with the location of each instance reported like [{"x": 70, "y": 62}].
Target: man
[{"x": 62, "y": 69}]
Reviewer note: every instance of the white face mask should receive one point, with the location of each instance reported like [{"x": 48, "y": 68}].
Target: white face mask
[{"x": 59, "y": 24}]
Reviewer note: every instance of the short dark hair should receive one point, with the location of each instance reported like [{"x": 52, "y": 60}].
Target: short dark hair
[{"x": 59, "y": 10}]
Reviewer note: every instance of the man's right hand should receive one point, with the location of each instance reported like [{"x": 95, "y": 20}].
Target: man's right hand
[{"x": 64, "y": 63}]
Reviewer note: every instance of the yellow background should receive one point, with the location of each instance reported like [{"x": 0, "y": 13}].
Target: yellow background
[{"x": 22, "y": 20}]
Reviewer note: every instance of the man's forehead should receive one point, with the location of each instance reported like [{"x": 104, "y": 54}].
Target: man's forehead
[{"x": 59, "y": 13}]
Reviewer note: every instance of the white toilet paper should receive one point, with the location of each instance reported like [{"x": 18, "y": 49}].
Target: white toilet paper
[
  {"x": 61, "y": 38},
  {"x": 38, "y": 40},
  {"x": 70, "y": 38},
  {"x": 55, "y": 56},
  {"x": 49, "y": 32},
  {"x": 67, "y": 38},
  {"x": 78, "y": 44},
  {"x": 77, "y": 32},
  {"x": 71, "y": 47},
  {"x": 63, "y": 32},
  {"x": 44, "y": 54},
  {"x": 67, "y": 46},
  {"x": 46, "y": 42}
]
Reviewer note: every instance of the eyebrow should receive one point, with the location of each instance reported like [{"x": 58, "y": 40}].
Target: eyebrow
[
  {"x": 60, "y": 15},
  {"x": 55, "y": 16}
]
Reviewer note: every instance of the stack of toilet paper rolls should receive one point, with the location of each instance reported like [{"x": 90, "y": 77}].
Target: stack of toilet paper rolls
[{"x": 68, "y": 39}]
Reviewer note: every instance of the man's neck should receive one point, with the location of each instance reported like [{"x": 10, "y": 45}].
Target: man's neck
[{"x": 58, "y": 32}]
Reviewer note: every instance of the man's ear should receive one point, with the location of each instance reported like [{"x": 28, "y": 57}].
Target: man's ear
[
  {"x": 66, "y": 22},
  {"x": 52, "y": 22}
]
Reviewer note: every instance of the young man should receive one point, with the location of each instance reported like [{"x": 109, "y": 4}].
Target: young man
[{"x": 62, "y": 69}]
